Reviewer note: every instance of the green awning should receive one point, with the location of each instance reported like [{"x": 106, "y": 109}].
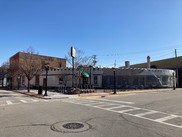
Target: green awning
[{"x": 85, "y": 74}]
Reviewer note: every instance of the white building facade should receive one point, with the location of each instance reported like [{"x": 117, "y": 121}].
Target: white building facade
[{"x": 125, "y": 78}]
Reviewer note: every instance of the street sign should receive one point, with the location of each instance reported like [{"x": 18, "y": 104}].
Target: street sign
[{"x": 73, "y": 52}]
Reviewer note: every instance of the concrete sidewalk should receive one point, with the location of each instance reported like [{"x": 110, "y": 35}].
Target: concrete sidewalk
[{"x": 50, "y": 95}]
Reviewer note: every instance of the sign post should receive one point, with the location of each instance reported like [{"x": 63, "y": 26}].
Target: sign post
[{"x": 73, "y": 55}]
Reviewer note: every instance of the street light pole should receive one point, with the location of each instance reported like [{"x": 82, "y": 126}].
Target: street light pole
[
  {"x": 46, "y": 69},
  {"x": 18, "y": 81},
  {"x": 174, "y": 86},
  {"x": 90, "y": 76},
  {"x": 114, "y": 72}
]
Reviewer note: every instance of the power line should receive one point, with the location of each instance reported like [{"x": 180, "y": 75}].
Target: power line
[{"x": 142, "y": 51}]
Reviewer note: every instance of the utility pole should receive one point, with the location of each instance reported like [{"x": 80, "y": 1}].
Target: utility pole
[
  {"x": 115, "y": 64},
  {"x": 175, "y": 53},
  {"x": 94, "y": 60}
]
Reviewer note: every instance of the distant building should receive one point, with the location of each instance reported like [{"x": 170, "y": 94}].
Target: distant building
[
  {"x": 53, "y": 62},
  {"x": 171, "y": 63}
]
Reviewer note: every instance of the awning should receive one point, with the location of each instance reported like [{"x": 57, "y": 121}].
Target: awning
[{"x": 85, "y": 74}]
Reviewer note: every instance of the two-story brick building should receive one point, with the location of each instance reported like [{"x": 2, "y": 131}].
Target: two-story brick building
[{"x": 16, "y": 59}]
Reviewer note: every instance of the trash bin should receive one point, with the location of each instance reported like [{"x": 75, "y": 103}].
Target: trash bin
[{"x": 40, "y": 90}]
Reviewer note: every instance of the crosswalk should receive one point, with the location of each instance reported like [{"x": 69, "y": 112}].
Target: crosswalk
[
  {"x": 20, "y": 101},
  {"x": 128, "y": 108}
]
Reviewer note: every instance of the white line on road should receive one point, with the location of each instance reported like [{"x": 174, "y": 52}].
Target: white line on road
[
  {"x": 116, "y": 101},
  {"x": 95, "y": 103},
  {"x": 102, "y": 105},
  {"x": 145, "y": 113},
  {"x": 130, "y": 109},
  {"x": 34, "y": 100},
  {"x": 115, "y": 107},
  {"x": 23, "y": 101},
  {"x": 166, "y": 118},
  {"x": 9, "y": 102},
  {"x": 127, "y": 110},
  {"x": 169, "y": 124}
]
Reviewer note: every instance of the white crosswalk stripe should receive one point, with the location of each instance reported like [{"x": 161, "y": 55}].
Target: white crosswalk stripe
[
  {"x": 111, "y": 108},
  {"x": 166, "y": 118},
  {"x": 104, "y": 104},
  {"x": 34, "y": 100},
  {"x": 9, "y": 102},
  {"x": 121, "y": 107},
  {"x": 20, "y": 101},
  {"x": 146, "y": 113},
  {"x": 127, "y": 110},
  {"x": 23, "y": 101}
]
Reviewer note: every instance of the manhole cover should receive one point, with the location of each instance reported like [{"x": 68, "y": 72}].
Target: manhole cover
[{"x": 73, "y": 126}]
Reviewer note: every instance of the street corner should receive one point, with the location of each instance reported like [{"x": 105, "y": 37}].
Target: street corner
[{"x": 31, "y": 93}]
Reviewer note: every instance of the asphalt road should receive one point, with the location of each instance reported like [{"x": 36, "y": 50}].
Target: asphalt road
[{"x": 141, "y": 115}]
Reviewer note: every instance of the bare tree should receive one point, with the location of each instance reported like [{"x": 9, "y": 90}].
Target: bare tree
[
  {"x": 13, "y": 69},
  {"x": 4, "y": 71},
  {"x": 30, "y": 65},
  {"x": 80, "y": 58}
]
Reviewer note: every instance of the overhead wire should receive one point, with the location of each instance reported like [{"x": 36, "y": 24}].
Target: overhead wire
[
  {"x": 142, "y": 51},
  {"x": 140, "y": 56}
]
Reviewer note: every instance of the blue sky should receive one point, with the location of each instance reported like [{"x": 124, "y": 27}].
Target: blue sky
[{"x": 114, "y": 30}]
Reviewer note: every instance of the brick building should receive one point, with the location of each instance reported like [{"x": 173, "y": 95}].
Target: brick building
[{"x": 16, "y": 59}]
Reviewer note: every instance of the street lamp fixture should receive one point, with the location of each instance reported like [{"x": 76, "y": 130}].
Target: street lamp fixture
[{"x": 46, "y": 67}]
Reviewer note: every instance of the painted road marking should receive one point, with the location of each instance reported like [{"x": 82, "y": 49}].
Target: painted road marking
[
  {"x": 129, "y": 110},
  {"x": 94, "y": 103},
  {"x": 116, "y": 101},
  {"x": 34, "y": 100},
  {"x": 146, "y": 113},
  {"x": 105, "y": 104},
  {"x": 23, "y": 101},
  {"x": 166, "y": 118},
  {"x": 15, "y": 102},
  {"x": 9, "y": 102},
  {"x": 115, "y": 107}
]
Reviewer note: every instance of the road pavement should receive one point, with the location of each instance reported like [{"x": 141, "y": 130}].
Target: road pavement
[{"x": 155, "y": 114}]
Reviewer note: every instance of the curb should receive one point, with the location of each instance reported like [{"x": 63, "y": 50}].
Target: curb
[
  {"x": 29, "y": 94},
  {"x": 100, "y": 95},
  {"x": 32, "y": 94}
]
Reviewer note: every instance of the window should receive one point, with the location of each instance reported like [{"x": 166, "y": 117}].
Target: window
[
  {"x": 60, "y": 80},
  {"x": 95, "y": 80},
  {"x": 60, "y": 65}
]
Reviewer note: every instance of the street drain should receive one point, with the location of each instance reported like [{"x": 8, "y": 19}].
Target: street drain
[{"x": 70, "y": 127}]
